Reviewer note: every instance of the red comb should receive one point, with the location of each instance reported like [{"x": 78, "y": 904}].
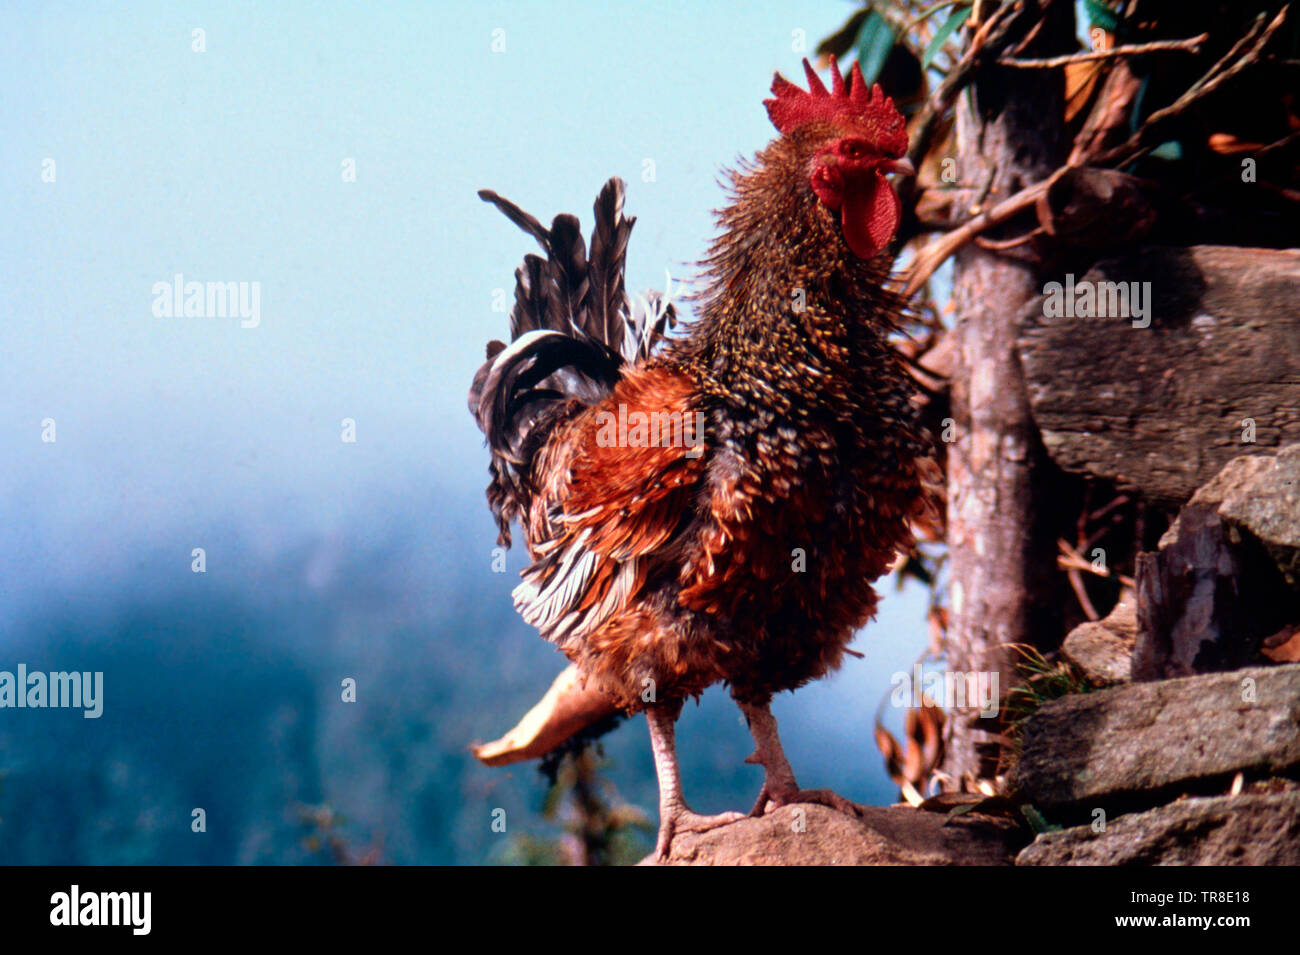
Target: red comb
[{"x": 846, "y": 103}]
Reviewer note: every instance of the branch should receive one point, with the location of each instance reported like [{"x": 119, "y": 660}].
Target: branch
[
  {"x": 1214, "y": 78},
  {"x": 1069, "y": 558},
  {"x": 1191, "y": 45},
  {"x": 1001, "y": 245},
  {"x": 986, "y": 44},
  {"x": 933, "y": 255}
]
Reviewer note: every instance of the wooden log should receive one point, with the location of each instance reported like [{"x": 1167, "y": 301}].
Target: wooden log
[
  {"x": 1001, "y": 544},
  {"x": 1218, "y": 587},
  {"x": 1160, "y": 409}
]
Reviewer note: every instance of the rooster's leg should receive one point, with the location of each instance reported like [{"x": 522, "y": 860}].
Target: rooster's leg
[
  {"x": 674, "y": 815},
  {"x": 779, "y": 785}
]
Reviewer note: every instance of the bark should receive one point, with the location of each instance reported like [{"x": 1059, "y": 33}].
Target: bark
[{"x": 1002, "y": 552}]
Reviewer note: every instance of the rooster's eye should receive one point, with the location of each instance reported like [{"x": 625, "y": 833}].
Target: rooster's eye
[{"x": 853, "y": 150}]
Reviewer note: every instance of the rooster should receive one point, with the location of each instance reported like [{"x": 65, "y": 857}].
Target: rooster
[{"x": 712, "y": 505}]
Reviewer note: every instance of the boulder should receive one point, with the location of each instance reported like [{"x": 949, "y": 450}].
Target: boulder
[
  {"x": 1102, "y": 650},
  {"x": 1221, "y": 830},
  {"x": 815, "y": 835},
  {"x": 1267, "y": 507},
  {"x": 1139, "y": 740}
]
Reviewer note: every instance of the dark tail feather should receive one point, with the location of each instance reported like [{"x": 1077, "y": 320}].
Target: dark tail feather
[
  {"x": 568, "y": 283},
  {"x": 530, "y": 298},
  {"x": 517, "y": 216},
  {"x": 572, "y": 330},
  {"x": 569, "y": 291},
  {"x": 517, "y": 387},
  {"x": 606, "y": 305},
  {"x": 518, "y": 397}
]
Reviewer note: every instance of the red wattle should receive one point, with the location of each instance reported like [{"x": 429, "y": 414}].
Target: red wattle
[{"x": 870, "y": 214}]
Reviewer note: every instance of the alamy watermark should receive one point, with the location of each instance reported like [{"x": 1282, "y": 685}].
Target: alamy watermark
[
  {"x": 1098, "y": 300},
  {"x": 181, "y": 299},
  {"x": 651, "y": 429},
  {"x": 950, "y": 689},
  {"x": 61, "y": 690},
  {"x": 130, "y": 909}
]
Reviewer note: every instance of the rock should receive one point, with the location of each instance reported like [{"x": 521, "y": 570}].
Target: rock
[
  {"x": 1221, "y": 830},
  {"x": 1267, "y": 507},
  {"x": 1234, "y": 477},
  {"x": 1102, "y": 650},
  {"x": 1083, "y": 749},
  {"x": 1217, "y": 586},
  {"x": 892, "y": 835},
  {"x": 1161, "y": 409}
]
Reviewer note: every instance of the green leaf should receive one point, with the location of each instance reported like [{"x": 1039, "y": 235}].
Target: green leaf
[
  {"x": 1135, "y": 114},
  {"x": 874, "y": 43},
  {"x": 842, "y": 40},
  {"x": 1100, "y": 15},
  {"x": 955, "y": 20},
  {"x": 1172, "y": 150},
  {"x": 1035, "y": 819}
]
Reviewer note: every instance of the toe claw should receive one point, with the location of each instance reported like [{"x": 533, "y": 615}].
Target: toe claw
[
  {"x": 818, "y": 797},
  {"x": 687, "y": 821}
]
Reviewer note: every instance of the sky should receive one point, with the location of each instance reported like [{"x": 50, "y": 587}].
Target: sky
[
  {"x": 215, "y": 141},
  {"x": 376, "y": 294}
]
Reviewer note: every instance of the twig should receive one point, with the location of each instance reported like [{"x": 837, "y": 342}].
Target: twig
[
  {"x": 1080, "y": 591},
  {"x": 987, "y": 43},
  {"x": 1029, "y": 37},
  {"x": 990, "y": 37},
  {"x": 985, "y": 188},
  {"x": 934, "y": 254},
  {"x": 1072, "y": 562},
  {"x": 1215, "y": 77},
  {"x": 1071, "y": 558},
  {"x": 1001, "y": 245},
  {"x": 1278, "y": 144},
  {"x": 1118, "y": 501},
  {"x": 1191, "y": 45}
]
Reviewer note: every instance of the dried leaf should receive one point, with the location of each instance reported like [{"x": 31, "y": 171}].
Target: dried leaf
[
  {"x": 1283, "y": 646},
  {"x": 1226, "y": 144},
  {"x": 1080, "y": 84},
  {"x": 892, "y": 751},
  {"x": 568, "y": 707}
]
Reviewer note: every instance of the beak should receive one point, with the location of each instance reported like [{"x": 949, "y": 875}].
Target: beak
[{"x": 902, "y": 167}]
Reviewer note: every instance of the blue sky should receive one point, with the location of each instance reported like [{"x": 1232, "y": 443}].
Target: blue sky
[{"x": 226, "y": 165}]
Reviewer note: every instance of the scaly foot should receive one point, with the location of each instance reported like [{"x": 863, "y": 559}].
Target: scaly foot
[
  {"x": 769, "y": 801},
  {"x": 683, "y": 820},
  {"x": 779, "y": 786}
]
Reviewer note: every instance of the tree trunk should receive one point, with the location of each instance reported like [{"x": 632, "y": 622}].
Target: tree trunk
[{"x": 1002, "y": 554}]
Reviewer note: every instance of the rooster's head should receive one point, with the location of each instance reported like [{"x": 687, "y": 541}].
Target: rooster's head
[{"x": 855, "y": 137}]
